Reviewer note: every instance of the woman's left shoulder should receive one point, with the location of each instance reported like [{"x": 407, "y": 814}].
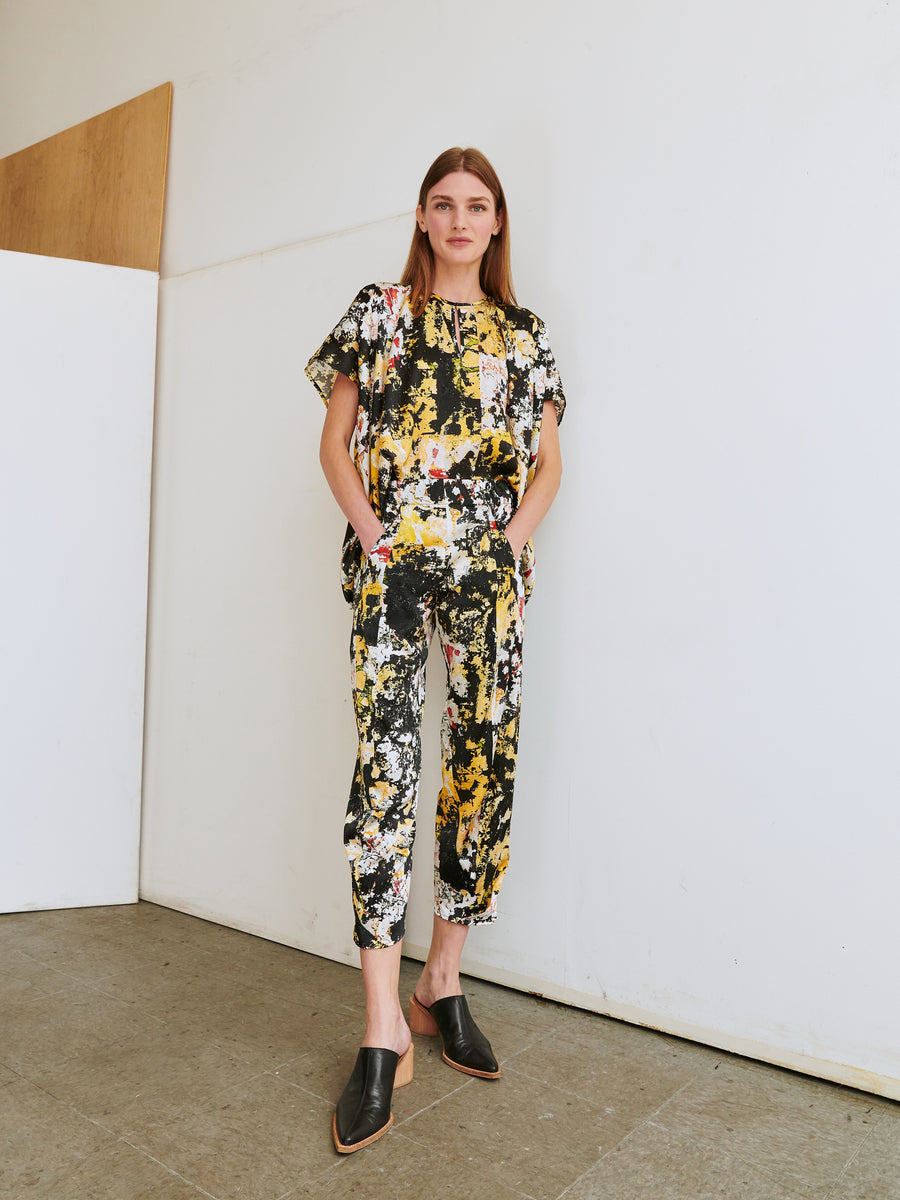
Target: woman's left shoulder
[
  {"x": 521, "y": 318},
  {"x": 528, "y": 332}
]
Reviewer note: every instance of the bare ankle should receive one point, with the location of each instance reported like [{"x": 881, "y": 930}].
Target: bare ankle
[
  {"x": 435, "y": 985},
  {"x": 390, "y": 1032}
]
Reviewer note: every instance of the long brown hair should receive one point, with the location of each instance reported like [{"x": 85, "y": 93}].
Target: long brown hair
[{"x": 495, "y": 276}]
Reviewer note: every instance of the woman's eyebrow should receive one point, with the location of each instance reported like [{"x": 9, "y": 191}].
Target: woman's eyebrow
[{"x": 471, "y": 199}]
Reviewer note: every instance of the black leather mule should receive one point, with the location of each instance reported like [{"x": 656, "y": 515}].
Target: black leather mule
[
  {"x": 363, "y": 1112},
  {"x": 465, "y": 1046}
]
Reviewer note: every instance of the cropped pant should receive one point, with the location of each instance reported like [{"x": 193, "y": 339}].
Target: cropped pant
[{"x": 443, "y": 563}]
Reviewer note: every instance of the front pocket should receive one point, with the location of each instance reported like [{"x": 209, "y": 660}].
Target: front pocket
[
  {"x": 505, "y": 553},
  {"x": 384, "y": 544}
]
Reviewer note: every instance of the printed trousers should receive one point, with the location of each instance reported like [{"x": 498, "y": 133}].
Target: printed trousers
[{"x": 443, "y": 564}]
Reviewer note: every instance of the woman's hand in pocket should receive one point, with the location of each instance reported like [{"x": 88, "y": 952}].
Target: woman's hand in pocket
[
  {"x": 514, "y": 544},
  {"x": 381, "y": 548},
  {"x": 373, "y": 542}
]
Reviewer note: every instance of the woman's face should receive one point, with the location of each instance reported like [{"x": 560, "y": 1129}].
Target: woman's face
[{"x": 460, "y": 218}]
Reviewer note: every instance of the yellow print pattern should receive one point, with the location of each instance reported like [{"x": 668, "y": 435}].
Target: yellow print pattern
[{"x": 434, "y": 570}]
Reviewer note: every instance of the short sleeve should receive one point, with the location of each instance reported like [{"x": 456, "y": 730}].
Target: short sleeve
[
  {"x": 545, "y": 374},
  {"x": 340, "y": 352}
]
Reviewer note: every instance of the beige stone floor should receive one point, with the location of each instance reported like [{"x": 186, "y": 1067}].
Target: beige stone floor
[{"x": 148, "y": 1055}]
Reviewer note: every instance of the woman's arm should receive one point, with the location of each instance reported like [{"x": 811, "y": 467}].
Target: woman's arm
[
  {"x": 543, "y": 487},
  {"x": 334, "y": 455}
]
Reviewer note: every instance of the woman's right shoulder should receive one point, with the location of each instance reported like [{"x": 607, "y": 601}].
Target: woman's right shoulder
[{"x": 385, "y": 297}]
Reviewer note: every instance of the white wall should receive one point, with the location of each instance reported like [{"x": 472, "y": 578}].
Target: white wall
[
  {"x": 703, "y": 202},
  {"x": 77, "y": 351}
]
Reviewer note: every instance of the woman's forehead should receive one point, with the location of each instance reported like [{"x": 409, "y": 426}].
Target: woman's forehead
[{"x": 461, "y": 184}]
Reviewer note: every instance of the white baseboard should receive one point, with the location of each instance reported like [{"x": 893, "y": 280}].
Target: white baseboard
[{"x": 855, "y": 1077}]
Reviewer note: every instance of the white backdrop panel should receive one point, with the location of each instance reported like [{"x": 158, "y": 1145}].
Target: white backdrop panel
[
  {"x": 77, "y": 350},
  {"x": 250, "y": 734}
]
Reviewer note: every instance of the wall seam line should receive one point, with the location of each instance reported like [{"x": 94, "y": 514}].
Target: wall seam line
[{"x": 310, "y": 241}]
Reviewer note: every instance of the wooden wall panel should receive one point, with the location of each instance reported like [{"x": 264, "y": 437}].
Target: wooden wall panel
[{"x": 94, "y": 192}]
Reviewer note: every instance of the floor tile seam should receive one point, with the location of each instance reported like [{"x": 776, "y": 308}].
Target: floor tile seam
[
  {"x": 38, "y": 993},
  {"x": 793, "y": 1185},
  {"x": 95, "y": 986},
  {"x": 72, "y": 1108},
  {"x": 818, "y": 1133},
  {"x": 220, "y": 1044},
  {"x": 300, "y": 995},
  {"x": 242, "y": 990},
  {"x": 300, "y": 1088},
  {"x": 316, "y": 1176},
  {"x": 39, "y": 963},
  {"x": 449, "y": 1155},
  {"x": 546, "y": 1082},
  {"x": 205, "y": 1101},
  {"x": 110, "y": 952},
  {"x": 113, "y": 1040},
  {"x": 289, "y": 1062},
  {"x": 11, "y": 934},
  {"x": 576, "y": 1044},
  {"x": 670, "y": 1100},
  {"x": 209, "y": 1098},
  {"x": 606, "y": 1153},
  {"x": 242, "y": 1083},
  {"x": 590, "y": 1099},
  {"x": 536, "y": 1039},
  {"x": 794, "y": 1106},
  {"x": 200, "y": 1041},
  {"x": 583, "y": 1175},
  {"x": 796, "y": 1079},
  {"x": 883, "y": 1109},
  {"x": 170, "y": 1170},
  {"x": 849, "y": 1163},
  {"x": 225, "y": 1009},
  {"x": 156, "y": 968},
  {"x": 537, "y": 1033},
  {"x": 434, "y": 1103},
  {"x": 460, "y": 1157},
  {"x": 140, "y": 1005},
  {"x": 74, "y": 982},
  {"x": 425, "y": 1145},
  {"x": 784, "y": 1179},
  {"x": 218, "y": 958}
]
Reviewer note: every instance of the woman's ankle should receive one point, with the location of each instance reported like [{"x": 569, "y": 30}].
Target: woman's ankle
[
  {"x": 388, "y": 1032},
  {"x": 435, "y": 986}
]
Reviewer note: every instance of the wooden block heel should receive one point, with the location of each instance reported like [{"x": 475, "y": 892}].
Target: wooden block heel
[
  {"x": 420, "y": 1019},
  {"x": 404, "y": 1068}
]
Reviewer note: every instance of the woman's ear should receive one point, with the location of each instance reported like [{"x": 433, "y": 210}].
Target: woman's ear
[
  {"x": 420, "y": 219},
  {"x": 498, "y": 224}
]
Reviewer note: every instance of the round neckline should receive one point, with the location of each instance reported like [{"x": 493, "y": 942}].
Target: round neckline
[{"x": 460, "y": 303}]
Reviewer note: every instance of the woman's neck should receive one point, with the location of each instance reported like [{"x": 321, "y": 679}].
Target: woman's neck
[{"x": 461, "y": 286}]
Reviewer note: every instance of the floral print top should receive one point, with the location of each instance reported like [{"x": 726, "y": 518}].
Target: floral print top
[{"x": 457, "y": 391}]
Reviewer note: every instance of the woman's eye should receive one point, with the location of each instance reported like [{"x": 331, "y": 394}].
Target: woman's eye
[
  {"x": 477, "y": 208},
  {"x": 442, "y": 204}
]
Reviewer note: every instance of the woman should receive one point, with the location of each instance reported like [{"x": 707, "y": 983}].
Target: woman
[{"x": 453, "y": 397}]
